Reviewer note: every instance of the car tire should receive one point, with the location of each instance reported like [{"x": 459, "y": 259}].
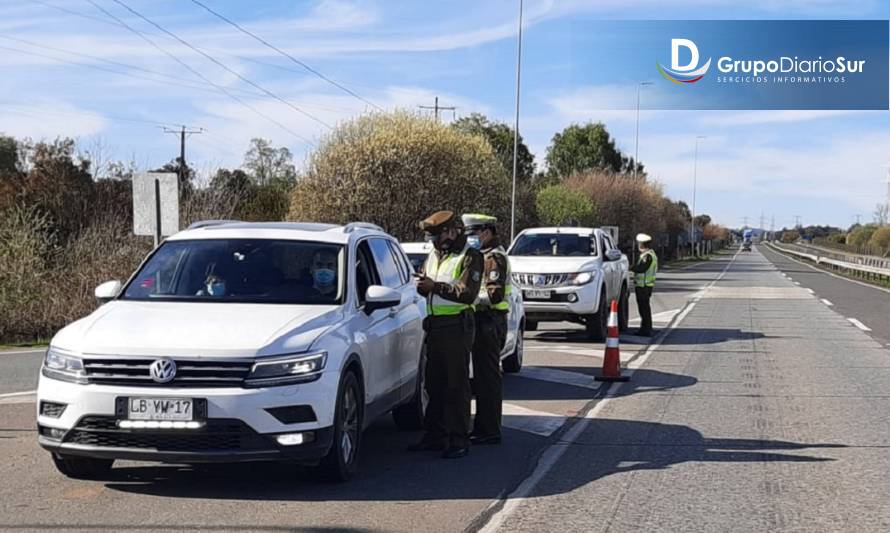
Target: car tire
[
  {"x": 340, "y": 463},
  {"x": 624, "y": 310},
  {"x": 512, "y": 364},
  {"x": 82, "y": 467},
  {"x": 531, "y": 325},
  {"x": 410, "y": 415},
  {"x": 596, "y": 323}
]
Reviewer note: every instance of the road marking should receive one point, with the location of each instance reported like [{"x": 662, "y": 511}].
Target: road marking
[
  {"x": 826, "y": 302},
  {"x": 664, "y": 316},
  {"x": 528, "y": 420},
  {"x": 14, "y": 394},
  {"x": 859, "y": 324},
  {"x": 531, "y": 421},
  {"x": 20, "y": 352},
  {"x": 821, "y": 271},
  {"x": 555, "y": 451},
  {"x": 552, "y": 375},
  {"x": 797, "y": 283},
  {"x": 811, "y": 291}
]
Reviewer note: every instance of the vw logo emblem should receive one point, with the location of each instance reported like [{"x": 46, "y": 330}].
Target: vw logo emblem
[{"x": 163, "y": 370}]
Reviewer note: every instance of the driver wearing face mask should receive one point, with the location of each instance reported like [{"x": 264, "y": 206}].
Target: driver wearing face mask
[{"x": 324, "y": 273}]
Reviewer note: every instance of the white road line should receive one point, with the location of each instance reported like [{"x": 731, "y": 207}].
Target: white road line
[
  {"x": 811, "y": 291},
  {"x": 552, "y": 375},
  {"x": 14, "y": 394},
  {"x": 859, "y": 324},
  {"x": 797, "y": 283},
  {"x": 832, "y": 274},
  {"x": 531, "y": 421},
  {"x": 555, "y": 451},
  {"x": 20, "y": 352},
  {"x": 826, "y": 302}
]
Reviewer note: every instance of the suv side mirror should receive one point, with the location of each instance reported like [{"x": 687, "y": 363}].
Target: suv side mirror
[
  {"x": 613, "y": 255},
  {"x": 380, "y": 297},
  {"x": 108, "y": 291}
]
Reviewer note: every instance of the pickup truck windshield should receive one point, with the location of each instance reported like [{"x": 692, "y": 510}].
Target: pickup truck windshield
[
  {"x": 242, "y": 270},
  {"x": 553, "y": 245}
]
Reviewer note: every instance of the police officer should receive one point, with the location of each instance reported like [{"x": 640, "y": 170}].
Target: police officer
[
  {"x": 644, "y": 281},
  {"x": 491, "y": 311},
  {"x": 451, "y": 278}
]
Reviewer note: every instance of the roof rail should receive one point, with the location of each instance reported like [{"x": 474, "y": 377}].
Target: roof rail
[
  {"x": 208, "y": 223},
  {"x": 352, "y": 226}
]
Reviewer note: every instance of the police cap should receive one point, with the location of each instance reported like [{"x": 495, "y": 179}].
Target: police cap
[
  {"x": 642, "y": 237},
  {"x": 439, "y": 222},
  {"x": 476, "y": 220}
]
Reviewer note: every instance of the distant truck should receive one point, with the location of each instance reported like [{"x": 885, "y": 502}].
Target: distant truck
[
  {"x": 747, "y": 237},
  {"x": 571, "y": 274}
]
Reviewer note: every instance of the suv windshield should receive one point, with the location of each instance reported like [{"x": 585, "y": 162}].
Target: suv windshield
[
  {"x": 553, "y": 244},
  {"x": 242, "y": 270}
]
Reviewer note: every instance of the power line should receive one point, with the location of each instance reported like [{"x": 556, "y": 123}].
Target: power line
[
  {"x": 198, "y": 74},
  {"x": 285, "y": 54},
  {"x": 222, "y": 65}
]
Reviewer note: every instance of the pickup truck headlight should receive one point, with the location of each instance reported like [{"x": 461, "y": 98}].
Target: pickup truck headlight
[
  {"x": 286, "y": 370},
  {"x": 64, "y": 367},
  {"x": 581, "y": 278}
]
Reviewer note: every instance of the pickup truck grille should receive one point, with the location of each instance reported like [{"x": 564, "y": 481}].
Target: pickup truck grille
[
  {"x": 189, "y": 372},
  {"x": 541, "y": 280}
]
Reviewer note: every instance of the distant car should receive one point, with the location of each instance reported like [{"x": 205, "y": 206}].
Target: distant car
[
  {"x": 239, "y": 342},
  {"x": 571, "y": 273},
  {"x": 511, "y": 356}
]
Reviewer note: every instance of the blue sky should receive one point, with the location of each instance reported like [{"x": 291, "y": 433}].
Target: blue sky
[{"x": 826, "y": 166}]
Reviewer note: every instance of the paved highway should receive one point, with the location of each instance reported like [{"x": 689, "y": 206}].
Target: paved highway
[{"x": 759, "y": 407}]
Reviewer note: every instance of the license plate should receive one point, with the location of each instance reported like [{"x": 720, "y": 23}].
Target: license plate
[
  {"x": 537, "y": 294},
  {"x": 160, "y": 409}
]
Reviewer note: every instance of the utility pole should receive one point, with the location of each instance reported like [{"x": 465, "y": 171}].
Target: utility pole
[
  {"x": 772, "y": 227},
  {"x": 694, "y": 183},
  {"x": 762, "y": 223},
  {"x": 745, "y": 222},
  {"x": 436, "y": 108},
  {"x": 637, "y": 135},
  {"x": 516, "y": 129},
  {"x": 858, "y": 219},
  {"x": 797, "y": 221},
  {"x": 183, "y": 133}
]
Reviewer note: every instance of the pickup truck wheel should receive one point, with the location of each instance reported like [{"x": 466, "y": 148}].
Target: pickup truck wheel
[
  {"x": 82, "y": 467},
  {"x": 342, "y": 459},
  {"x": 623, "y": 310},
  {"x": 513, "y": 363},
  {"x": 596, "y": 323},
  {"x": 410, "y": 415}
]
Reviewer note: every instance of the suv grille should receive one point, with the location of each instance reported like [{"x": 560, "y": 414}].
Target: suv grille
[
  {"x": 218, "y": 435},
  {"x": 189, "y": 372},
  {"x": 541, "y": 280}
]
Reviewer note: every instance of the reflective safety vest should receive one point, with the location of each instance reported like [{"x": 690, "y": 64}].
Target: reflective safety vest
[
  {"x": 448, "y": 270},
  {"x": 647, "y": 278},
  {"x": 503, "y": 305}
]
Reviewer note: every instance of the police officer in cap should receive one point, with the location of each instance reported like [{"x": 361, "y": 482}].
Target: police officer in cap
[
  {"x": 450, "y": 281},
  {"x": 644, "y": 281},
  {"x": 491, "y": 311}
]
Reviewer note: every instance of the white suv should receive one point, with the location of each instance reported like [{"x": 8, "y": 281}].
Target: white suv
[{"x": 239, "y": 341}]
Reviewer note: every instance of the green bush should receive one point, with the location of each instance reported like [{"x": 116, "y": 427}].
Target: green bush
[
  {"x": 860, "y": 236},
  {"x": 557, "y": 205},
  {"x": 394, "y": 169},
  {"x": 880, "y": 239}
]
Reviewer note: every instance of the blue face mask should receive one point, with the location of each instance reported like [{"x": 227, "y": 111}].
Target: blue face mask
[
  {"x": 323, "y": 277},
  {"x": 217, "y": 288},
  {"x": 474, "y": 241}
]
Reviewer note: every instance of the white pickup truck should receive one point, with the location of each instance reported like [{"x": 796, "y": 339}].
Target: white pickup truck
[{"x": 570, "y": 274}]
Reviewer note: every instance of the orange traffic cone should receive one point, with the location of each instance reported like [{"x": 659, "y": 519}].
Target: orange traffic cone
[{"x": 612, "y": 358}]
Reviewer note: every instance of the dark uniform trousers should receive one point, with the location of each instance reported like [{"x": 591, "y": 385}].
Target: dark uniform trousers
[
  {"x": 491, "y": 335},
  {"x": 643, "y": 295},
  {"x": 448, "y": 345}
]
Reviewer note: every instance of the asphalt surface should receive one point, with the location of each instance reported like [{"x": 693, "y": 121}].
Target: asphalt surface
[
  {"x": 865, "y": 303},
  {"x": 742, "y": 416}
]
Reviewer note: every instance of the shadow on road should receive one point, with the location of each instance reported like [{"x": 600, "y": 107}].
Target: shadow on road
[
  {"x": 644, "y": 380},
  {"x": 689, "y": 335},
  {"x": 388, "y": 474}
]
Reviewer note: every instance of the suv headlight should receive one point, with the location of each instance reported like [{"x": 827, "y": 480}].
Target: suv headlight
[
  {"x": 286, "y": 370},
  {"x": 581, "y": 278},
  {"x": 64, "y": 367}
]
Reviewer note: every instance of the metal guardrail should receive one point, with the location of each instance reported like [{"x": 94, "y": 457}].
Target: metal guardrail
[{"x": 865, "y": 264}]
